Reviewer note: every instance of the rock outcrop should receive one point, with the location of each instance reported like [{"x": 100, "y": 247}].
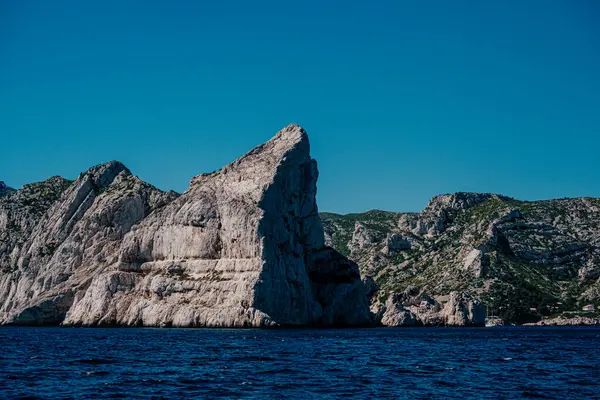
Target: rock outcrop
[
  {"x": 20, "y": 212},
  {"x": 562, "y": 321},
  {"x": 242, "y": 247},
  {"x": 246, "y": 247},
  {"x": 522, "y": 260},
  {"x": 402, "y": 309},
  {"x": 67, "y": 232}
]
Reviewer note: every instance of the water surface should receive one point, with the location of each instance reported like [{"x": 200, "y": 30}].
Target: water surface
[{"x": 554, "y": 363}]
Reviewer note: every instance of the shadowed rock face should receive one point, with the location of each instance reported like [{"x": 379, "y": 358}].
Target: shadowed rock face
[
  {"x": 5, "y": 190},
  {"x": 242, "y": 247}
]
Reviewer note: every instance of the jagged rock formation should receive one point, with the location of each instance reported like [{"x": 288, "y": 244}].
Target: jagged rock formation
[
  {"x": 20, "y": 212},
  {"x": 242, "y": 247},
  {"x": 470, "y": 249},
  {"x": 62, "y": 234},
  {"x": 402, "y": 309}
]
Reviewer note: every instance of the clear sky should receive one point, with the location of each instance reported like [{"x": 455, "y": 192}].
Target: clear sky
[{"x": 402, "y": 100}]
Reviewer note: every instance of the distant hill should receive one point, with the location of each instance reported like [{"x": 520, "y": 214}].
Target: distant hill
[{"x": 522, "y": 260}]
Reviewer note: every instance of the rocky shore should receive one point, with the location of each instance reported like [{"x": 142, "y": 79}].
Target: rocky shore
[
  {"x": 246, "y": 246},
  {"x": 561, "y": 321}
]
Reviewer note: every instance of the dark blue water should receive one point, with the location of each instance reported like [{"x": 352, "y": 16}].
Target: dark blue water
[{"x": 556, "y": 363}]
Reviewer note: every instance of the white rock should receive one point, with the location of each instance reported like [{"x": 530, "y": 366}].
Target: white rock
[{"x": 242, "y": 247}]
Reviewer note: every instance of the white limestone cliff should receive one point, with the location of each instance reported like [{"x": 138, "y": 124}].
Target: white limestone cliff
[{"x": 242, "y": 247}]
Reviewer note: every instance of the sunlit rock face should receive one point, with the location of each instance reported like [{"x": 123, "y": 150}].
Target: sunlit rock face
[
  {"x": 242, "y": 247},
  {"x": 467, "y": 254},
  {"x": 59, "y": 234}
]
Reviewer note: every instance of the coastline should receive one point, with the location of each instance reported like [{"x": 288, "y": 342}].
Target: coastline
[
  {"x": 554, "y": 323},
  {"x": 575, "y": 321}
]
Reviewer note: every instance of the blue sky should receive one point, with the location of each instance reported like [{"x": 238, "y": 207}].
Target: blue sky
[{"x": 402, "y": 100}]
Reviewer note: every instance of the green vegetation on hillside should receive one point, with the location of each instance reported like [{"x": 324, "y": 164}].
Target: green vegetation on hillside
[{"x": 537, "y": 258}]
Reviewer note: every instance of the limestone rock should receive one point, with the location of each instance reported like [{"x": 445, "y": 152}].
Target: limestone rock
[
  {"x": 20, "y": 213},
  {"x": 441, "y": 212},
  {"x": 364, "y": 235},
  {"x": 402, "y": 309},
  {"x": 463, "y": 311},
  {"x": 72, "y": 231},
  {"x": 396, "y": 315},
  {"x": 477, "y": 262},
  {"x": 242, "y": 247},
  {"x": 508, "y": 254},
  {"x": 395, "y": 243}
]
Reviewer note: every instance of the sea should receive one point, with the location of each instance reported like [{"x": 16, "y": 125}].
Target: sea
[{"x": 412, "y": 363}]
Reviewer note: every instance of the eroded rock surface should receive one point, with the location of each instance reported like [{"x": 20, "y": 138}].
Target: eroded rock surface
[
  {"x": 242, "y": 247},
  {"x": 523, "y": 260},
  {"x": 402, "y": 309},
  {"x": 66, "y": 233}
]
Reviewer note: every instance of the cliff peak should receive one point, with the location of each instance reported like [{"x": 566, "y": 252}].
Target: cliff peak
[
  {"x": 290, "y": 146},
  {"x": 460, "y": 200}
]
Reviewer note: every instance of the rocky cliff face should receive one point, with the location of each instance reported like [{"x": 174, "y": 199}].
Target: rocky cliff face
[
  {"x": 60, "y": 233},
  {"x": 402, "y": 309},
  {"x": 242, "y": 247},
  {"x": 470, "y": 251},
  {"x": 246, "y": 247},
  {"x": 20, "y": 212}
]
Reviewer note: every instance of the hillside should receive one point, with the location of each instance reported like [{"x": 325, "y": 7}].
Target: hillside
[{"x": 521, "y": 260}]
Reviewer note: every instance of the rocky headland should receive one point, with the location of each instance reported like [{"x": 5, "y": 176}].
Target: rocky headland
[
  {"x": 245, "y": 246},
  {"x": 242, "y": 247}
]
